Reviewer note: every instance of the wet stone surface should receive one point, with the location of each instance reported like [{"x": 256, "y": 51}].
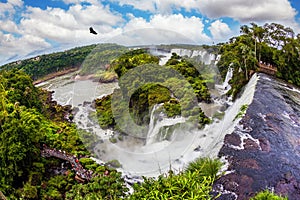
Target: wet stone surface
[{"x": 269, "y": 155}]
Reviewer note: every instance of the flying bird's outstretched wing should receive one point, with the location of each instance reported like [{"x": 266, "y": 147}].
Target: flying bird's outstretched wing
[{"x": 93, "y": 31}]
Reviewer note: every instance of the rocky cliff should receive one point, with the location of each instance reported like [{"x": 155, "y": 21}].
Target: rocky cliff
[{"x": 263, "y": 152}]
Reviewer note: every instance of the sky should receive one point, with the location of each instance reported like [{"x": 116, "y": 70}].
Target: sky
[{"x": 32, "y": 27}]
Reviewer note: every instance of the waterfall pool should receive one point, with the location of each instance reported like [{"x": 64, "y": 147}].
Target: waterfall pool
[{"x": 153, "y": 156}]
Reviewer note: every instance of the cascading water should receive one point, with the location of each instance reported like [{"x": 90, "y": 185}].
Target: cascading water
[
  {"x": 202, "y": 55},
  {"x": 156, "y": 154},
  {"x": 227, "y": 124},
  {"x": 80, "y": 94},
  {"x": 228, "y": 77},
  {"x": 225, "y": 87},
  {"x": 157, "y": 122}
]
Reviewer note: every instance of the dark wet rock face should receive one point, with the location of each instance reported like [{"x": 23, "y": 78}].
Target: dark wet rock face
[{"x": 264, "y": 150}]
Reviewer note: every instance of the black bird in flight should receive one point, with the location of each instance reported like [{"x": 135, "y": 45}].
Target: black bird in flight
[{"x": 93, "y": 31}]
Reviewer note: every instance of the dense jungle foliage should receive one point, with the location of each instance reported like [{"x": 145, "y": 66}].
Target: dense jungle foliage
[
  {"x": 100, "y": 58},
  {"x": 143, "y": 83},
  {"x": 40, "y": 66},
  {"x": 91, "y": 59},
  {"x": 271, "y": 44},
  {"x": 26, "y": 124}
]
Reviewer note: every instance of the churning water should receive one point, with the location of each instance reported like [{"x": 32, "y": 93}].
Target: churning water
[{"x": 169, "y": 143}]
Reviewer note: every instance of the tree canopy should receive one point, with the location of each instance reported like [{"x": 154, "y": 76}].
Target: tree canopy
[
  {"x": 143, "y": 83},
  {"x": 272, "y": 44}
]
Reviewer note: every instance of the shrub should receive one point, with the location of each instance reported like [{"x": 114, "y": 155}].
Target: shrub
[
  {"x": 242, "y": 111},
  {"x": 267, "y": 195},
  {"x": 205, "y": 167},
  {"x": 194, "y": 183},
  {"x": 182, "y": 186}
]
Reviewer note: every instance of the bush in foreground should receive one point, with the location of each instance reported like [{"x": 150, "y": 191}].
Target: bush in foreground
[
  {"x": 267, "y": 195},
  {"x": 194, "y": 183}
]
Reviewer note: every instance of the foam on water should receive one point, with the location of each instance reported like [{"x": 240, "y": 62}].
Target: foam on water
[
  {"x": 157, "y": 122},
  {"x": 156, "y": 155},
  {"x": 153, "y": 158}
]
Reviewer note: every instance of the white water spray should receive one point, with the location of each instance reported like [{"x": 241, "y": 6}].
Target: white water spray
[
  {"x": 157, "y": 122},
  {"x": 156, "y": 155}
]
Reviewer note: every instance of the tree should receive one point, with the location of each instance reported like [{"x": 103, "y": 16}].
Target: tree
[
  {"x": 20, "y": 88},
  {"x": 272, "y": 44},
  {"x": 19, "y": 145},
  {"x": 248, "y": 58}
]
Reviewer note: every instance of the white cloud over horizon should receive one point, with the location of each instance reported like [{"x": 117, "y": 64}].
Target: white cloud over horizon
[
  {"x": 241, "y": 10},
  {"x": 219, "y": 30},
  {"x": 189, "y": 27},
  {"x": 40, "y": 29}
]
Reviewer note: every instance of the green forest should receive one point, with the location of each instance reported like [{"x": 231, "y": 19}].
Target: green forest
[
  {"x": 271, "y": 44},
  {"x": 89, "y": 59},
  {"x": 40, "y": 66},
  {"x": 143, "y": 83},
  {"x": 26, "y": 124}
]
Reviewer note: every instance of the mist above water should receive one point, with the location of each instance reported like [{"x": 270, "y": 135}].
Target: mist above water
[{"x": 170, "y": 143}]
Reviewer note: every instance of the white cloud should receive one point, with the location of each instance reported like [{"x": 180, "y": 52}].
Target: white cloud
[
  {"x": 246, "y": 11},
  {"x": 191, "y": 27},
  {"x": 18, "y": 3},
  {"x": 160, "y": 6},
  {"x": 145, "y": 5},
  {"x": 71, "y": 1},
  {"x": 278, "y": 11},
  {"x": 76, "y": 17},
  {"x": 241, "y": 10},
  {"x": 166, "y": 6},
  {"x": 9, "y": 26},
  {"x": 13, "y": 46},
  {"x": 91, "y": 2},
  {"x": 68, "y": 28},
  {"x": 95, "y": 14},
  {"x": 8, "y": 9},
  {"x": 219, "y": 30},
  {"x": 167, "y": 28}
]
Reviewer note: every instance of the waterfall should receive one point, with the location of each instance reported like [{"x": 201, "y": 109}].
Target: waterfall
[
  {"x": 224, "y": 87},
  {"x": 152, "y": 123},
  {"x": 200, "y": 55},
  {"x": 160, "y": 150},
  {"x": 183, "y": 52},
  {"x": 85, "y": 122},
  {"x": 228, "y": 123},
  {"x": 203, "y": 55},
  {"x": 218, "y": 57},
  {"x": 157, "y": 122},
  {"x": 229, "y": 75}
]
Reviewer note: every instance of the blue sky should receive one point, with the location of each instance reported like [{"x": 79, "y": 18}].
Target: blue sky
[{"x": 32, "y": 27}]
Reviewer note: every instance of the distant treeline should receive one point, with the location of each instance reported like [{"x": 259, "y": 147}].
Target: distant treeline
[
  {"x": 40, "y": 66},
  {"x": 208, "y": 48},
  {"x": 92, "y": 59}
]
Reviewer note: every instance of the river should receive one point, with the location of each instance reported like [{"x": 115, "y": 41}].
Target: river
[{"x": 153, "y": 157}]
